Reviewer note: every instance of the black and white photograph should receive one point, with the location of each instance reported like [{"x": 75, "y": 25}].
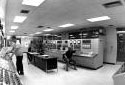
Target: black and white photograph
[{"x": 62, "y": 42}]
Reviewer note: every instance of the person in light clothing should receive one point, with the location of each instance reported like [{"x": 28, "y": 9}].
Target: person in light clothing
[{"x": 18, "y": 51}]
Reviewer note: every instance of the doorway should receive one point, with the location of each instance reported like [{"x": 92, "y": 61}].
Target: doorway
[{"x": 121, "y": 47}]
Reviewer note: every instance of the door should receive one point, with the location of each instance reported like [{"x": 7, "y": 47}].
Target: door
[{"x": 121, "y": 47}]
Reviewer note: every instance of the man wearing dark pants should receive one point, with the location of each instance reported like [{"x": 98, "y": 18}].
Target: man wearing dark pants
[
  {"x": 29, "y": 56},
  {"x": 19, "y": 65},
  {"x": 18, "y": 51},
  {"x": 68, "y": 59}
]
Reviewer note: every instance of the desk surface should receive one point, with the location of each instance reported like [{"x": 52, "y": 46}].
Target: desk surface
[
  {"x": 34, "y": 53},
  {"x": 45, "y": 56},
  {"x": 83, "y": 55}
]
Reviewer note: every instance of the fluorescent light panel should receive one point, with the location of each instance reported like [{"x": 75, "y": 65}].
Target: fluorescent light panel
[
  {"x": 99, "y": 19},
  {"x": 59, "y": 36},
  {"x": 67, "y": 25},
  {"x": 14, "y": 27},
  {"x": 19, "y": 19},
  {"x": 120, "y": 31},
  {"x": 85, "y": 34},
  {"x": 47, "y": 34},
  {"x": 70, "y": 35},
  {"x": 38, "y": 32},
  {"x": 48, "y": 29},
  {"x": 12, "y": 31},
  {"x": 31, "y": 34},
  {"x": 32, "y": 2}
]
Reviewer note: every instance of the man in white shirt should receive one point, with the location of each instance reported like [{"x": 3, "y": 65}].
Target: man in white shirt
[{"x": 18, "y": 51}]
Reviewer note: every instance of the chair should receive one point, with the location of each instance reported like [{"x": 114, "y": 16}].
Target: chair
[{"x": 68, "y": 62}]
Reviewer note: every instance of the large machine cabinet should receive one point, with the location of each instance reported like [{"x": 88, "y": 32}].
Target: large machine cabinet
[
  {"x": 89, "y": 62},
  {"x": 46, "y": 63},
  {"x": 91, "y": 46}
]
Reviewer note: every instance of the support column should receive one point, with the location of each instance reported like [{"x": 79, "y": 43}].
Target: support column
[{"x": 110, "y": 48}]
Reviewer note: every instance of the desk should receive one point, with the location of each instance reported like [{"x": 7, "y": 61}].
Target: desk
[
  {"x": 95, "y": 61},
  {"x": 46, "y": 62},
  {"x": 31, "y": 56},
  {"x": 33, "y": 53}
]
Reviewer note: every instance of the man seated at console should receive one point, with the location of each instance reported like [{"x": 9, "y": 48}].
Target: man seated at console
[{"x": 67, "y": 57}]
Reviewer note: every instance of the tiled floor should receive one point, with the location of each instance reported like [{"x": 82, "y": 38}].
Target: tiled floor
[{"x": 83, "y": 76}]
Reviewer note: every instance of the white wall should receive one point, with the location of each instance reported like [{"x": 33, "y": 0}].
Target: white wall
[
  {"x": 2, "y": 12},
  {"x": 110, "y": 53},
  {"x": 25, "y": 41}
]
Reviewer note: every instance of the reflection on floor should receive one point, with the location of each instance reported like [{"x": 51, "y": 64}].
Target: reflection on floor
[{"x": 83, "y": 76}]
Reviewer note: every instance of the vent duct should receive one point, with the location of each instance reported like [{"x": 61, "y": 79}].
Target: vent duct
[
  {"x": 24, "y": 11},
  {"x": 40, "y": 26},
  {"x": 112, "y": 4}
]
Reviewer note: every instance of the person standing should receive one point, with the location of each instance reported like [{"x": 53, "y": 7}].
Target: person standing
[
  {"x": 29, "y": 56},
  {"x": 18, "y": 51}
]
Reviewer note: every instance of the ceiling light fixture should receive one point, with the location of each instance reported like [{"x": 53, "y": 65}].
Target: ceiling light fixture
[
  {"x": 99, "y": 19},
  {"x": 31, "y": 34},
  {"x": 67, "y": 25},
  {"x": 48, "y": 29},
  {"x": 47, "y": 34},
  {"x": 85, "y": 34},
  {"x": 120, "y": 31},
  {"x": 32, "y": 2},
  {"x": 23, "y": 36},
  {"x": 14, "y": 27},
  {"x": 38, "y": 32},
  {"x": 59, "y": 36},
  {"x": 12, "y": 31},
  {"x": 19, "y": 19}
]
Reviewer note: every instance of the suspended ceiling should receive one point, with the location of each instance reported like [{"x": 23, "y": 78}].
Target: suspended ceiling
[{"x": 53, "y": 13}]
